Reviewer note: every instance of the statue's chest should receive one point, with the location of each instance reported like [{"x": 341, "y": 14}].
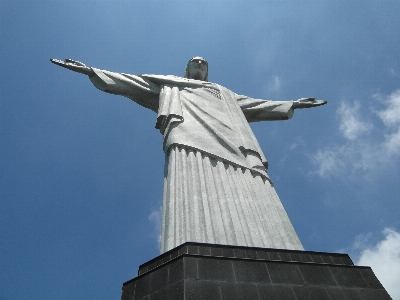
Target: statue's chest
[
  {"x": 207, "y": 104},
  {"x": 207, "y": 97}
]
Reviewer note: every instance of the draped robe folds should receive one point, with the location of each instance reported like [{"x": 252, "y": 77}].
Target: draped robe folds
[{"x": 216, "y": 186}]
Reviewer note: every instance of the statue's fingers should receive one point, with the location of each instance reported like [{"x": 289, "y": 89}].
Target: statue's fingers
[
  {"x": 320, "y": 102},
  {"x": 57, "y": 62},
  {"x": 74, "y": 62}
]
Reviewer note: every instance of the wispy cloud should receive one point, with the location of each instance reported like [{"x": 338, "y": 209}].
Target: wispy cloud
[
  {"x": 391, "y": 118},
  {"x": 392, "y": 72},
  {"x": 274, "y": 85},
  {"x": 155, "y": 218},
  {"x": 383, "y": 258},
  {"x": 360, "y": 150}
]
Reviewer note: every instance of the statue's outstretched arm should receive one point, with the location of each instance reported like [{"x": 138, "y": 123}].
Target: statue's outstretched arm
[
  {"x": 136, "y": 88},
  {"x": 308, "y": 102},
  {"x": 256, "y": 110},
  {"x": 73, "y": 65}
]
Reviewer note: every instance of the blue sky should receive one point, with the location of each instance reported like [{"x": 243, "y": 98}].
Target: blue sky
[{"x": 82, "y": 171}]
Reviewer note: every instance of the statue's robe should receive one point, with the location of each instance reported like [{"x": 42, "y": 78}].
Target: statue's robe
[{"x": 216, "y": 186}]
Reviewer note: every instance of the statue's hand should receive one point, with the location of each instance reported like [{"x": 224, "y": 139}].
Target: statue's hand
[
  {"x": 308, "y": 102},
  {"x": 73, "y": 65}
]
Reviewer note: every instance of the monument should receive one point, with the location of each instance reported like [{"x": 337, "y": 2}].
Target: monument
[{"x": 222, "y": 219}]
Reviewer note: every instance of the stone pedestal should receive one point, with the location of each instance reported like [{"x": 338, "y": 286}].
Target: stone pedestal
[{"x": 217, "y": 272}]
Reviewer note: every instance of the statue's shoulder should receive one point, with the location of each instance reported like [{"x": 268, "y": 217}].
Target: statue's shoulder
[
  {"x": 162, "y": 78},
  {"x": 174, "y": 80}
]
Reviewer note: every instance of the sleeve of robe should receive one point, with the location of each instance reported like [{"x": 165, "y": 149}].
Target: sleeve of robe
[
  {"x": 139, "y": 89},
  {"x": 256, "y": 110}
]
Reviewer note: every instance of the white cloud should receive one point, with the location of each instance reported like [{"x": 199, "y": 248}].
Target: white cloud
[
  {"x": 155, "y": 218},
  {"x": 384, "y": 259},
  {"x": 391, "y": 115},
  {"x": 352, "y": 125},
  {"x": 360, "y": 150},
  {"x": 392, "y": 142}
]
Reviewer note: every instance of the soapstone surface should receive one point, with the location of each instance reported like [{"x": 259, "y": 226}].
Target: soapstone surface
[{"x": 216, "y": 184}]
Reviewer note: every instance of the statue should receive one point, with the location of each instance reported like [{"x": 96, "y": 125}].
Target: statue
[{"x": 216, "y": 186}]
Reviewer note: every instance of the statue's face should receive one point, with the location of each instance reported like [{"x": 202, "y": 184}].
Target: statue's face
[{"x": 197, "y": 68}]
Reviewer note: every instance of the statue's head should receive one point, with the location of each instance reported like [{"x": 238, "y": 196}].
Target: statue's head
[{"x": 197, "y": 68}]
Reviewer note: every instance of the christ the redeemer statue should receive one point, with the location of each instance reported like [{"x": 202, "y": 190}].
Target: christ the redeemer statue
[{"x": 216, "y": 186}]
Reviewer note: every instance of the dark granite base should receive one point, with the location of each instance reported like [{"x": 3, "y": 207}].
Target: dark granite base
[{"x": 206, "y": 271}]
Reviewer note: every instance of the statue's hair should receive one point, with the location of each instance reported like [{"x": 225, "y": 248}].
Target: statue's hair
[{"x": 187, "y": 67}]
